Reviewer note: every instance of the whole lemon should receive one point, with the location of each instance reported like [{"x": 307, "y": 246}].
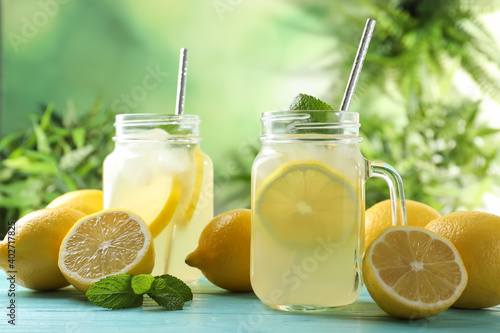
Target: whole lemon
[
  {"x": 379, "y": 217},
  {"x": 223, "y": 253},
  {"x": 476, "y": 235},
  {"x": 87, "y": 201},
  {"x": 36, "y": 239}
]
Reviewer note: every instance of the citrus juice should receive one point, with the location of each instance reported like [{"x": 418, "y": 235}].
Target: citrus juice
[
  {"x": 151, "y": 176},
  {"x": 307, "y": 225}
]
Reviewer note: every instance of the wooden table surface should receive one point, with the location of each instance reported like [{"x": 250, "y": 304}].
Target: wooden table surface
[{"x": 215, "y": 310}]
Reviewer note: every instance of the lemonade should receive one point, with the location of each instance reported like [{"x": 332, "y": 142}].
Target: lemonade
[
  {"x": 151, "y": 169},
  {"x": 308, "y": 206},
  {"x": 307, "y": 258}
]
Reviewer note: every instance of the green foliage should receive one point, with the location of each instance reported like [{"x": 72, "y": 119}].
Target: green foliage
[
  {"x": 445, "y": 155},
  {"x": 418, "y": 45},
  {"x": 56, "y": 155},
  {"x": 232, "y": 182}
]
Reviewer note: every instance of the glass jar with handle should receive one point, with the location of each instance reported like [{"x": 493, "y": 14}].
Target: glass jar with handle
[{"x": 308, "y": 204}]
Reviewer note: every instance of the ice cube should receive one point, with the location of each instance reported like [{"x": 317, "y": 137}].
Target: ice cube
[
  {"x": 155, "y": 133},
  {"x": 136, "y": 171},
  {"x": 148, "y": 141},
  {"x": 174, "y": 160}
]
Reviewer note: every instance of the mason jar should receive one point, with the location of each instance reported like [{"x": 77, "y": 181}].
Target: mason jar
[
  {"x": 158, "y": 171},
  {"x": 308, "y": 204}
]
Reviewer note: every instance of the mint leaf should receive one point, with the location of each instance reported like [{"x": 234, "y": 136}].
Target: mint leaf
[
  {"x": 126, "y": 291},
  {"x": 114, "y": 292},
  {"x": 177, "y": 285},
  {"x": 166, "y": 296},
  {"x": 141, "y": 284},
  {"x": 307, "y": 102}
]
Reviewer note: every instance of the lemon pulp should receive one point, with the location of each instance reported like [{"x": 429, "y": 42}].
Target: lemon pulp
[
  {"x": 411, "y": 272},
  {"x": 303, "y": 199},
  {"x": 106, "y": 243}
]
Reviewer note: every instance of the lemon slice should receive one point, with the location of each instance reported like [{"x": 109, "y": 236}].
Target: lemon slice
[
  {"x": 306, "y": 199},
  {"x": 198, "y": 181},
  {"x": 411, "y": 272},
  {"x": 106, "y": 243},
  {"x": 172, "y": 204},
  {"x": 166, "y": 214}
]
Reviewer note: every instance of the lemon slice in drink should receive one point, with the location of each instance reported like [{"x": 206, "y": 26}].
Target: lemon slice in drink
[
  {"x": 166, "y": 214},
  {"x": 411, "y": 272},
  {"x": 306, "y": 199},
  {"x": 198, "y": 181},
  {"x": 173, "y": 203},
  {"x": 106, "y": 243}
]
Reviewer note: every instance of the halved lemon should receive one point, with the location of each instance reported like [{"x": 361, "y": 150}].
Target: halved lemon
[
  {"x": 411, "y": 272},
  {"x": 306, "y": 199},
  {"x": 106, "y": 243}
]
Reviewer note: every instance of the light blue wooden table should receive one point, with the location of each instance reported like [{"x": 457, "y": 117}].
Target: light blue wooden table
[{"x": 215, "y": 310}]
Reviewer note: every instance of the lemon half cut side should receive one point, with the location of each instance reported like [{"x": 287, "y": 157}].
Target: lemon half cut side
[
  {"x": 106, "y": 243},
  {"x": 411, "y": 272}
]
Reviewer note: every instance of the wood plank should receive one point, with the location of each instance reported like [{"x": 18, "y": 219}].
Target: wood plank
[{"x": 216, "y": 310}]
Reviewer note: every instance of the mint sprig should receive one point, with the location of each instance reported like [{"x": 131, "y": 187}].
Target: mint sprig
[
  {"x": 142, "y": 283},
  {"x": 178, "y": 285},
  {"x": 114, "y": 292},
  {"x": 123, "y": 291},
  {"x": 303, "y": 102},
  {"x": 166, "y": 296},
  {"x": 308, "y": 102}
]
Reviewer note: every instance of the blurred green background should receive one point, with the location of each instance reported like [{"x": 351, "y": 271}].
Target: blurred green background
[{"x": 428, "y": 94}]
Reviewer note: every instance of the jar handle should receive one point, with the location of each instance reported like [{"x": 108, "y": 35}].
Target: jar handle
[{"x": 393, "y": 179}]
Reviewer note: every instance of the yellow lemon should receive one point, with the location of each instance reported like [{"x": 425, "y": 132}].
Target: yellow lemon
[
  {"x": 31, "y": 247},
  {"x": 411, "y": 272},
  {"x": 106, "y": 243},
  {"x": 223, "y": 253},
  {"x": 87, "y": 201},
  {"x": 379, "y": 217},
  {"x": 477, "y": 237},
  {"x": 303, "y": 199}
]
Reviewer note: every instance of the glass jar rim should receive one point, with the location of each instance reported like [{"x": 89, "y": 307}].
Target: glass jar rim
[
  {"x": 138, "y": 119},
  {"x": 354, "y": 116},
  {"x": 173, "y": 128},
  {"x": 310, "y": 126}
]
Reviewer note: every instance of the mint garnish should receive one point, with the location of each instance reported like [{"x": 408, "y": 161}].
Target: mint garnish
[
  {"x": 178, "y": 285},
  {"x": 174, "y": 129},
  {"x": 141, "y": 284},
  {"x": 307, "y": 102},
  {"x": 114, "y": 292},
  {"x": 123, "y": 291},
  {"x": 166, "y": 296}
]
